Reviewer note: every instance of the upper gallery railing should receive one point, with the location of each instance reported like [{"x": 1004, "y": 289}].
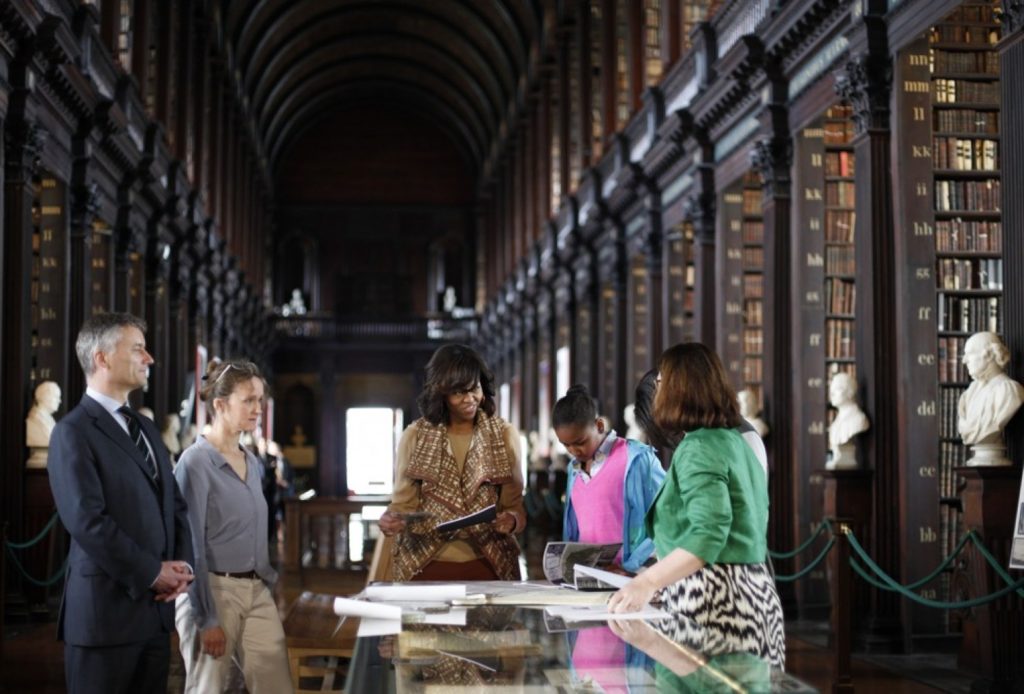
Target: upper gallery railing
[{"x": 413, "y": 329}]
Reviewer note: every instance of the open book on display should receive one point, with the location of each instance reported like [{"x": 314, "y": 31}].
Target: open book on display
[{"x": 561, "y": 559}]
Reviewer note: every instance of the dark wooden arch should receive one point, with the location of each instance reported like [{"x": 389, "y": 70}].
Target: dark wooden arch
[
  {"x": 389, "y": 93},
  {"x": 489, "y": 53},
  {"x": 279, "y": 73},
  {"x": 324, "y": 82},
  {"x": 366, "y": 49},
  {"x": 457, "y": 59}
]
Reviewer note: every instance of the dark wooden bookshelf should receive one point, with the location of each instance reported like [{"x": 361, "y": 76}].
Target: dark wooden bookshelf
[
  {"x": 48, "y": 288},
  {"x": 679, "y": 279},
  {"x": 840, "y": 222},
  {"x": 979, "y": 301},
  {"x": 753, "y": 285},
  {"x": 638, "y": 338},
  {"x": 741, "y": 269}
]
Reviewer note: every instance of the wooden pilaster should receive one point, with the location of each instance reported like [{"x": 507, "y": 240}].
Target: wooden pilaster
[
  {"x": 772, "y": 158},
  {"x": 865, "y": 83}
]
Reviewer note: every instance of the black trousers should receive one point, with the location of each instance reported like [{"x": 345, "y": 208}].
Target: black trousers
[{"x": 134, "y": 668}]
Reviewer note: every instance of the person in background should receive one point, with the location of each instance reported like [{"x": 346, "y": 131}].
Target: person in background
[
  {"x": 709, "y": 521},
  {"x": 457, "y": 459},
  {"x": 229, "y": 613},
  {"x": 269, "y": 473},
  {"x": 612, "y": 480},
  {"x": 284, "y": 475},
  {"x": 645, "y": 390}
]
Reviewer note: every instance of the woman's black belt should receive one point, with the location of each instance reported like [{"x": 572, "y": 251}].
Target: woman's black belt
[{"x": 236, "y": 574}]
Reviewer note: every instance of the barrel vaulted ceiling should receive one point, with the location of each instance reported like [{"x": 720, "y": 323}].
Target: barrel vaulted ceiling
[{"x": 462, "y": 64}]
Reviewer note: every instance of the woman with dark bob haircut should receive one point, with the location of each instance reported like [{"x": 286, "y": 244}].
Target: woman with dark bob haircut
[
  {"x": 709, "y": 520},
  {"x": 457, "y": 459}
]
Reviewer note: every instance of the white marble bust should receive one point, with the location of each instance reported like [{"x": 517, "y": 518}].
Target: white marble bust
[
  {"x": 850, "y": 420},
  {"x": 990, "y": 401},
  {"x": 169, "y": 435},
  {"x": 40, "y": 422},
  {"x": 188, "y": 437},
  {"x": 632, "y": 430},
  {"x": 749, "y": 411}
]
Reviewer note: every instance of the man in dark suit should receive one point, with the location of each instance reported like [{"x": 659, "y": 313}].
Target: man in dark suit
[{"x": 131, "y": 552}]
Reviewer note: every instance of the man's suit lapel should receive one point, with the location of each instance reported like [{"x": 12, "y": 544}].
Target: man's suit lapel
[{"x": 105, "y": 422}]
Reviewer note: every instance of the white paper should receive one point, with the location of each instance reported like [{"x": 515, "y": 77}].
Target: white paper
[
  {"x": 593, "y": 613},
  {"x": 379, "y": 627},
  {"x": 414, "y": 593},
  {"x": 617, "y": 580},
  {"x": 346, "y": 607}
]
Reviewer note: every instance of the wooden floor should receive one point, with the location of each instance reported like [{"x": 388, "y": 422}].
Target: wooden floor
[{"x": 31, "y": 660}]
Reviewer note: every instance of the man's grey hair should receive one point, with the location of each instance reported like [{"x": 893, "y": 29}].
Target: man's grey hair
[{"x": 100, "y": 333}]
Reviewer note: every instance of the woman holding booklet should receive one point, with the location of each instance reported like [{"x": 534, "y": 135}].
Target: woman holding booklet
[
  {"x": 710, "y": 519},
  {"x": 457, "y": 460},
  {"x": 612, "y": 481}
]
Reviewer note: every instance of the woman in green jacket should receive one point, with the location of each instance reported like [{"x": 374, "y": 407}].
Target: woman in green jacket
[{"x": 710, "y": 518}]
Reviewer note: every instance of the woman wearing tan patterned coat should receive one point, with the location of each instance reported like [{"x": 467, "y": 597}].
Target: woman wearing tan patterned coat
[{"x": 457, "y": 459}]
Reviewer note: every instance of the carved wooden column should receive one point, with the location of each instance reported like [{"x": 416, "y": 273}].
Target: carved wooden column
[
  {"x": 613, "y": 270},
  {"x": 866, "y": 83},
  {"x": 1011, "y": 71},
  {"x": 176, "y": 362},
  {"x": 158, "y": 321},
  {"x": 700, "y": 210},
  {"x": 772, "y": 158},
  {"x": 23, "y": 141},
  {"x": 653, "y": 249},
  {"x": 123, "y": 246},
  {"x": 84, "y": 205},
  {"x": 585, "y": 348}
]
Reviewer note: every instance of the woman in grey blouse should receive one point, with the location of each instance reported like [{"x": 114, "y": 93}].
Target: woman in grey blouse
[{"x": 229, "y": 613}]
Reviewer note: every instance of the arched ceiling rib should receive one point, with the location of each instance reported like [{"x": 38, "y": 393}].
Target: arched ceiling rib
[
  {"x": 457, "y": 62},
  {"x": 399, "y": 97},
  {"x": 368, "y": 73},
  {"x": 369, "y": 50}
]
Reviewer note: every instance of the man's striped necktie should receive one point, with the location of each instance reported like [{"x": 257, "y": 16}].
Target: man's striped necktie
[{"x": 135, "y": 432}]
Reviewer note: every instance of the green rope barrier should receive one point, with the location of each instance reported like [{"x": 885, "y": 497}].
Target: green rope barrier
[
  {"x": 807, "y": 569},
  {"x": 817, "y": 533},
  {"x": 35, "y": 581},
  {"x": 992, "y": 561},
  {"x": 37, "y": 538},
  {"x": 894, "y": 586},
  {"x": 942, "y": 567}
]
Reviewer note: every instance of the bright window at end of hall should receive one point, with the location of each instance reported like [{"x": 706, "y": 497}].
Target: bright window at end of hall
[{"x": 371, "y": 435}]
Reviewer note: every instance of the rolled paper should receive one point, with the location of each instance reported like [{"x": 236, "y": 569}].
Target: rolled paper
[{"x": 346, "y": 607}]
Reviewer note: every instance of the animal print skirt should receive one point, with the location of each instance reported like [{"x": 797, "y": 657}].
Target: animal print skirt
[{"x": 727, "y": 608}]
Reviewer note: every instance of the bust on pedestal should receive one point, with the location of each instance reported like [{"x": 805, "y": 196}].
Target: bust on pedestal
[
  {"x": 989, "y": 402},
  {"x": 749, "y": 411},
  {"x": 850, "y": 420},
  {"x": 40, "y": 422},
  {"x": 633, "y": 431},
  {"x": 169, "y": 435}
]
